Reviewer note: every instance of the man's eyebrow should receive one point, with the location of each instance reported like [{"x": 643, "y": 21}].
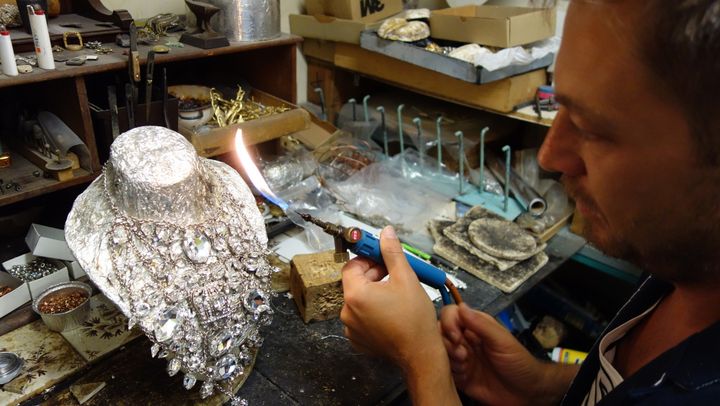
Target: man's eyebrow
[{"x": 604, "y": 124}]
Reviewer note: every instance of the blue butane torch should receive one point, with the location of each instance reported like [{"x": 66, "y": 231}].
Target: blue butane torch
[{"x": 364, "y": 244}]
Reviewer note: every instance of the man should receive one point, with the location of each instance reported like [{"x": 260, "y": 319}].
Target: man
[{"x": 637, "y": 141}]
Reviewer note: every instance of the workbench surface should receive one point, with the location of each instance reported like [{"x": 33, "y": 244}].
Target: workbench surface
[{"x": 309, "y": 364}]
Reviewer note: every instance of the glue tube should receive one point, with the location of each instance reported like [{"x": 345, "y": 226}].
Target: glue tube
[
  {"x": 41, "y": 37},
  {"x": 7, "y": 55},
  {"x": 567, "y": 356}
]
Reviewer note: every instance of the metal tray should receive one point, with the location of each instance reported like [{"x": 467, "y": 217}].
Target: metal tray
[{"x": 444, "y": 64}]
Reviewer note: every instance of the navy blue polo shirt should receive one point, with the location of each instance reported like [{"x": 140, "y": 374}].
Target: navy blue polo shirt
[{"x": 688, "y": 373}]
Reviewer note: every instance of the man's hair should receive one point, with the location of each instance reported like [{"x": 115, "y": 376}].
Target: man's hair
[{"x": 679, "y": 42}]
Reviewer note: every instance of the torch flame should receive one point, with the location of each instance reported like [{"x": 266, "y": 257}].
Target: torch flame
[{"x": 254, "y": 173}]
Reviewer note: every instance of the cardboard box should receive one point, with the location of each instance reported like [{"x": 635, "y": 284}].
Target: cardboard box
[
  {"x": 48, "y": 242},
  {"x": 39, "y": 285},
  {"x": 76, "y": 271},
  {"x": 496, "y": 26},
  {"x": 18, "y": 297},
  {"x": 320, "y": 49},
  {"x": 358, "y": 10},
  {"x": 329, "y": 28}
]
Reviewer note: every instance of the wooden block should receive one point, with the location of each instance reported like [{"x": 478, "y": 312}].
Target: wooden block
[{"x": 316, "y": 285}]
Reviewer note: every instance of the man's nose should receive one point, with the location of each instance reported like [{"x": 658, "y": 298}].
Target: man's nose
[{"x": 560, "y": 152}]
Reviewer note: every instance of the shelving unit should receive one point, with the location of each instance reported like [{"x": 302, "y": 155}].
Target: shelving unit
[{"x": 67, "y": 92}]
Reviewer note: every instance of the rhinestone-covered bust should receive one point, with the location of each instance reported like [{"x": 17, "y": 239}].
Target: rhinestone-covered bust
[{"x": 177, "y": 242}]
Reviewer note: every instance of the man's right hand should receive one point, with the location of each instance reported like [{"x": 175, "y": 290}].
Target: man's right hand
[{"x": 491, "y": 366}]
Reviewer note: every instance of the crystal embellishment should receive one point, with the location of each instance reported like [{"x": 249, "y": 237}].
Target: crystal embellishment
[
  {"x": 221, "y": 344},
  {"x": 226, "y": 367},
  {"x": 197, "y": 247},
  {"x": 165, "y": 326},
  {"x": 189, "y": 381},
  {"x": 206, "y": 389},
  {"x": 173, "y": 367},
  {"x": 254, "y": 299},
  {"x": 154, "y": 350}
]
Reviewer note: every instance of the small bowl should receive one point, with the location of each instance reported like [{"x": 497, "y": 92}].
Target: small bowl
[
  {"x": 194, "y": 117},
  {"x": 70, "y": 319}
]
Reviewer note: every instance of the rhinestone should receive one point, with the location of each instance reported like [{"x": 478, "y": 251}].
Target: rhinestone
[
  {"x": 221, "y": 344},
  {"x": 120, "y": 236},
  {"x": 142, "y": 309},
  {"x": 265, "y": 271},
  {"x": 162, "y": 234},
  {"x": 147, "y": 229},
  {"x": 165, "y": 326},
  {"x": 254, "y": 299},
  {"x": 173, "y": 367},
  {"x": 226, "y": 367},
  {"x": 163, "y": 354},
  {"x": 238, "y": 402},
  {"x": 189, "y": 381},
  {"x": 220, "y": 244},
  {"x": 236, "y": 245},
  {"x": 206, "y": 390},
  {"x": 176, "y": 250},
  {"x": 251, "y": 265},
  {"x": 197, "y": 247},
  {"x": 154, "y": 350}
]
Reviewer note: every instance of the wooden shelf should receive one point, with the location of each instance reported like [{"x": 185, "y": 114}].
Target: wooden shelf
[{"x": 21, "y": 172}]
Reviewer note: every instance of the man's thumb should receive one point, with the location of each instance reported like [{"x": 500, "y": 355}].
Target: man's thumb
[
  {"x": 484, "y": 326},
  {"x": 392, "y": 253}
]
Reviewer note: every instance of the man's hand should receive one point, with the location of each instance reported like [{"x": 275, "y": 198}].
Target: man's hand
[
  {"x": 395, "y": 319},
  {"x": 491, "y": 366}
]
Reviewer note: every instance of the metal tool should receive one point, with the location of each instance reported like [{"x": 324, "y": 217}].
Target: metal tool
[
  {"x": 114, "y": 114},
  {"x": 400, "y": 128},
  {"x": 130, "y": 105},
  {"x": 461, "y": 159},
  {"x": 366, "y": 245},
  {"x": 383, "y": 123},
  {"x": 149, "y": 70},
  {"x": 508, "y": 157},
  {"x": 165, "y": 98},
  {"x": 525, "y": 194},
  {"x": 321, "y": 94},
  {"x": 134, "y": 62},
  {"x": 365, "y": 108},
  {"x": 353, "y": 102},
  {"x": 438, "y": 133}
]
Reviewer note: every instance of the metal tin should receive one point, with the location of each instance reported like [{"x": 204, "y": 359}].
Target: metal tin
[
  {"x": 10, "y": 366},
  {"x": 247, "y": 20},
  {"x": 70, "y": 319}
]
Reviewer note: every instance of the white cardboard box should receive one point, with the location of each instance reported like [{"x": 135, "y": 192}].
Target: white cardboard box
[
  {"x": 15, "y": 299},
  {"x": 76, "y": 271},
  {"x": 48, "y": 242},
  {"x": 39, "y": 285}
]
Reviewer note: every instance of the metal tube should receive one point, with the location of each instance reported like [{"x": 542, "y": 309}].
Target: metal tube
[
  {"x": 381, "y": 109},
  {"x": 353, "y": 102},
  {"x": 528, "y": 197},
  {"x": 461, "y": 159},
  {"x": 506, "y": 189},
  {"x": 421, "y": 141},
  {"x": 365, "y": 108},
  {"x": 400, "y": 128},
  {"x": 482, "y": 159},
  {"x": 438, "y": 132},
  {"x": 321, "y": 94}
]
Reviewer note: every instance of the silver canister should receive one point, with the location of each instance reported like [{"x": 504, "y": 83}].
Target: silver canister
[
  {"x": 247, "y": 20},
  {"x": 70, "y": 319},
  {"x": 10, "y": 366}
]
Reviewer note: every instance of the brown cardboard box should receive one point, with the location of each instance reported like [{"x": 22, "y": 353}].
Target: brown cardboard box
[
  {"x": 329, "y": 28},
  {"x": 497, "y": 26},
  {"x": 320, "y": 49},
  {"x": 358, "y": 10}
]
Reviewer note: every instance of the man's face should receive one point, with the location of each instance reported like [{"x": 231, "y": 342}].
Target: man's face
[{"x": 625, "y": 150}]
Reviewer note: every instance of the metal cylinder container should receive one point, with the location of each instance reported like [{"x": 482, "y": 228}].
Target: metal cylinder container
[
  {"x": 70, "y": 319},
  {"x": 247, "y": 20}
]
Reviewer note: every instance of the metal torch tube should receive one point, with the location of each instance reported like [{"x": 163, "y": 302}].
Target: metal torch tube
[{"x": 526, "y": 195}]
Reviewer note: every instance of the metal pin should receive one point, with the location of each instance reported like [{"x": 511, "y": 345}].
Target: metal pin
[
  {"x": 365, "y": 108},
  {"x": 438, "y": 132},
  {"x": 508, "y": 152},
  {"x": 321, "y": 94},
  {"x": 482, "y": 158},
  {"x": 381, "y": 109},
  {"x": 400, "y": 128},
  {"x": 421, "y": 141},
  {"x": 461, "y": 159},
  {"x": 353, "y": 102}
]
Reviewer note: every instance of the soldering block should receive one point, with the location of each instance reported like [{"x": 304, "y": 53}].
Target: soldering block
[{"x": 316, "y": 285}]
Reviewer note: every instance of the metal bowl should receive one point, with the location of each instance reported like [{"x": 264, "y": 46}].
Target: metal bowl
[
  {"x": 193, "y": 117},
  {"x": 70, "y": 319}
]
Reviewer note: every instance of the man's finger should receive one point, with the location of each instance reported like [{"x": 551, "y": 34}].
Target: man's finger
[
  {"x": 393, "y": 255},
  {"x": 353, "y": 273},
  {"x": 450, "y": 323},
  {"x": 484, "y": 326}
]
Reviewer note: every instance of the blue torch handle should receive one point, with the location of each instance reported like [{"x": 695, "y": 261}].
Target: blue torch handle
[{"x": 369, "y": 247}]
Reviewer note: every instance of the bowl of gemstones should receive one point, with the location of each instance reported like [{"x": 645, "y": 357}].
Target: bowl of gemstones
[{"x": 64, "y": 306}]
